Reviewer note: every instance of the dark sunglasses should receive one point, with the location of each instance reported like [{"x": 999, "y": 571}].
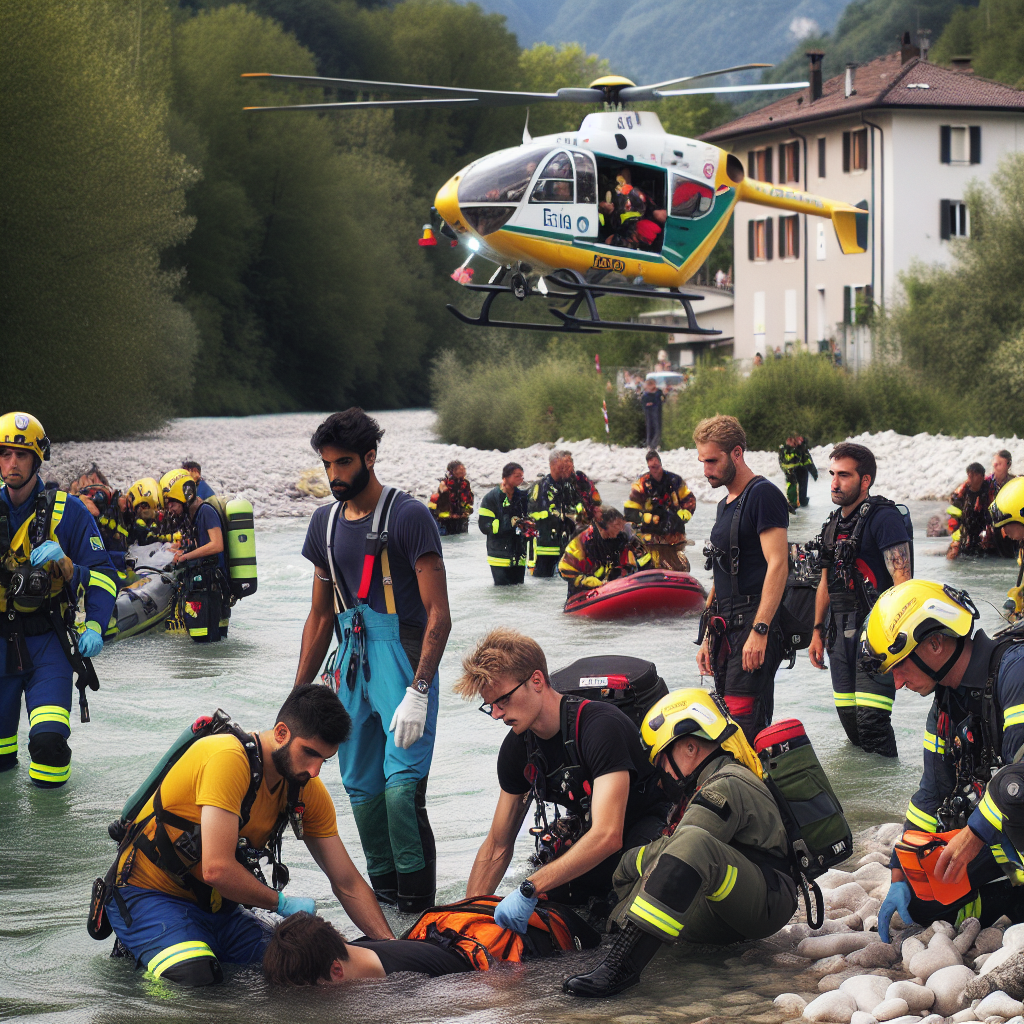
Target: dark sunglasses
[{"x": 500, "y": 702}]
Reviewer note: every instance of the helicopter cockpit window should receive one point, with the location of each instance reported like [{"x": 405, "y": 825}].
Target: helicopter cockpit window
[
  {"x": 586, "y": 178},
  {"x": 690, "y": 198},
  {"x": 502, "y": 178},
  {"x": 555, "y": 184}
]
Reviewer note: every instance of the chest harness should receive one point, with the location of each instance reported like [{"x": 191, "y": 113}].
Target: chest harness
[{"x": 735, "y": 602}]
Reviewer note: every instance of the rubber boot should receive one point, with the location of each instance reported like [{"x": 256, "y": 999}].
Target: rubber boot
[
  {"x": 631, "y": 952},
  {"x": 417, "y": 890},
  {"x": 385, "y": 888},
  {"x": 874, "y": 728}
]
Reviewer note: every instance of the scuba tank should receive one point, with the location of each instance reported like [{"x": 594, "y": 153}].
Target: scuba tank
[{"x": 236, "y": 517}]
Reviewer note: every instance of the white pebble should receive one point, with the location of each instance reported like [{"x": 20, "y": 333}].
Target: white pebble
[
  {"x": 818, "y": 946},
  {"x": 998, "y": 1004},
  {"x": 943, "y": 928},
  {"x": 849, "y": 896},
  {"x": 869, "y": 907},
  {"x": 867, "y": 989},
  {"x": 940, "y": 953},
  {"x": 917, "y": 997},
  {"x": 948, "y": 984},
  {"x": 910, "y": 948},
  {"x": 790, "y": 1003},
  {"x": 933, "y": 1018},
  {"x": 871, "y": 923},
  {"x": 833, "y": 878},
  {"x": 963, "y": 1015},
  {"x": 860, "y": 1017},
  {"x": 890, "y": 1009},
  {"x": 871, "y": 874},
  {"x": 969, "y": 931},
  {"x": 1014, "y": 936},
  {"x": 832, "y": 1007},
  {"x": 998, "y": 958}
]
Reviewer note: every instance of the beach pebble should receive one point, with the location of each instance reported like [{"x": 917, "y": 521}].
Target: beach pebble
[
  {"x": 1002, "y": 923},
  {"x": 817, "y": 946},
  {"x": 790, "y": 1003},
  {"x": 828, "y": 965},
  {"x": 998, "y": 1004},
  {"x": 1007, "y": 976},
  {"x": 948, "y": 984},
  {"x": 848, "y": 896},
  {"x": 888, "y": 834},
  {"x": 997, "y": 959},
  {"x": 917, "y": 997},
  {"x": 833, "y": 878},
  {"x": 875, "y": 858},
  {"x": 969, "y": 931},
  {"x": 871, "y": 874},
  {"x": 939, "y": 954},
  {"x": 909, "y": 949},
  {"x": 860, "y": 1017},
  {"x": 933, "y": 1018},
  {"x": 869, "y": 907},
  {"x": 890, "y": 1009},
  {"x": 980, "y": 960},
  {"x": 1014, "y": 936},
  {"x": 878, "y": 954},
  {"x": 831, "y": 1007},
  {"x": 963, "y": 1015},
  {"x": 988, "y": 940},
  {"x": 867, "y": 989},
  {"x": 831, "y": 982},
  {"x": 910, "y": 1018},
  {"x": 871, "y": 923},
  {"x": 943, "y": 928}
]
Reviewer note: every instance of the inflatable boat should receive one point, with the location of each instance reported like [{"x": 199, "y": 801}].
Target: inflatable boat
[
  {"x": 650, "y": 593},
  {"x": 147, "y": 599}
]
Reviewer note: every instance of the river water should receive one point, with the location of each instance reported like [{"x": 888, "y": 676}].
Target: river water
[{"x": 54, "y": 843}]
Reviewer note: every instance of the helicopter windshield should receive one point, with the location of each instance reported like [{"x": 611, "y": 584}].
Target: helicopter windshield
[
  {"x": 502, "y": 178},
  {"x": 690, "y": 198}
]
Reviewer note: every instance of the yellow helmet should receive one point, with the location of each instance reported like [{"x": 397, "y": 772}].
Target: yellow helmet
[
  {"x": 1009, "y": 504},
  {"x": 23, "y": 430},
  {"x": 145, "y": 492},
  {"x": 696, "y": 712},
  {"x": 178, "y": 485},
  {"x": 905, "y": 615}
]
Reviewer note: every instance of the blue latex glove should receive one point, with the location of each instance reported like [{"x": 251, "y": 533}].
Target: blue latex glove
[
  {"x": 48, "y": 551},
  {"x": 896, "y": 899},
  {"x": 288, "y": 905},
  {"x": 90, "y": 641},
  {"x": 514, "y": 911}
]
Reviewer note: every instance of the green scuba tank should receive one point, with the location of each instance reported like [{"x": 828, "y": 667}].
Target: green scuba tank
[{"x": 236, "y": 517}]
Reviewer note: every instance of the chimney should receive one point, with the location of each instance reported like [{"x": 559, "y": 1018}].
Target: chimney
[
  {"x": 815, "y": 57},
  {"x": 963, "y": 65},
  {"x": 924, "y": 41},
  {"x": 907, "y": 49},
  {"x": 850, "y": 90}
]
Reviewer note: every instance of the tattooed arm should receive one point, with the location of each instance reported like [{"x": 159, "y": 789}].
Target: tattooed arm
[
  {"x": 433, "y": 586},
  {"x": 897, "y": 561}
]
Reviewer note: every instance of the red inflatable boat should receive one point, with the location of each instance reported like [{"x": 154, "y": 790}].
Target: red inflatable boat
[{"x": 651, "y": 593}]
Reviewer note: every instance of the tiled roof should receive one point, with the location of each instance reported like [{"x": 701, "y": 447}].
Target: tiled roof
[{"x": 884, "y": 82}]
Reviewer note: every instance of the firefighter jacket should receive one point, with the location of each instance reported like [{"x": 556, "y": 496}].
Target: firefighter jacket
[
  {"x": 968, "y": 517},
  {"x": 660, "y": 509},
  {"x": 554, "y": 506},
  {"x": 590, "y": 560},
  {"x": 790, "y": 459},
  {"x": 506, "y": 546},
  {"x": 456, "y": 501}
]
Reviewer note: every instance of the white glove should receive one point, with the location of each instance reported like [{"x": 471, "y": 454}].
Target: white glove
[{"x": 409, "y": 718}]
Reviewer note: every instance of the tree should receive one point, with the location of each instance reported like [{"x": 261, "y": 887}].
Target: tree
[{"x": 992, "y": 34}]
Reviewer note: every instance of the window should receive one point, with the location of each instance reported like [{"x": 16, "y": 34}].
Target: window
[
  {"x": 855, "y": 150},
  {"x": 954, "y": 220},
  {"x": 789, "y": 162},
  {"x": 960, "y": 144},
  {"x": 857, "y": 303},
  {"x": 586, "y": 178},
  {"x": 759, "y": 164},
  {"x": 501, "y": 178},
  {"x": 789, "y": 237},
  {"x": 821, "y": 158},
  {"x": 759, "y": 239},
  {"x": 690, "y": 198},
  {"x": 555, "y": 182}
]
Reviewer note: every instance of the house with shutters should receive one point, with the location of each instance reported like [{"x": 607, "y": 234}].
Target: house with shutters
[{"x": 898, "y": 135}]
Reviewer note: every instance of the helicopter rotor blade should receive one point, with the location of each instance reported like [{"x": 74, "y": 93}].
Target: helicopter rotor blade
[
  {"x": 707, "y": 89},
  {"x": 632, "y": 93},
  {"x": 448, "y": 101}
]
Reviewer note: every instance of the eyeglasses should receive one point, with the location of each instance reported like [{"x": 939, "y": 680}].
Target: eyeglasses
[{"x": 500, "y": 702}]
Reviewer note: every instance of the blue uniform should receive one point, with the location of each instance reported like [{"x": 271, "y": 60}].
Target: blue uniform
[
  {"x": 46, "y": 680},
  {"x": 206, "y": 605},
  {"x": 204, "y": 490}
]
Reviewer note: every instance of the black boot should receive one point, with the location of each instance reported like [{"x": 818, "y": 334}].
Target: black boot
[
  {"x": 385, "y": 888},
  {"x": 631, "y": 952}
]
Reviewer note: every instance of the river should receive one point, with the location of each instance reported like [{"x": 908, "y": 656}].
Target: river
[{"x": 54, "y": 843}]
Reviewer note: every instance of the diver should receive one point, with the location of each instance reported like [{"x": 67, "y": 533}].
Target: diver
[
  {"x": 659, "y": 506},
  {"x": 379, "y": 584},
  {"x": 451, "y": 504},
  {"x": 555, "y": 506},
  {"x": 1006, "y": 514},
  {"x": 52, "y": 554},
  {"x": 721, "y": 873},
  {"x": 968, "y": 515},
  {"x": 194, "y": 470},
  {"x": 583, "y": 756},
  {"x": 864, "y": 550},
  {"x": 185, "y": 870},
  {"x": 923, "y": 633},
  {"x": 602, "y": 552},
  {"x": 504, "y": 521},
  {"x": 205, "y": 600}
]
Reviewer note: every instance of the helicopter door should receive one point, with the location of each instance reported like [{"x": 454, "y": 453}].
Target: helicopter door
[{"x": 563, "y": 198}]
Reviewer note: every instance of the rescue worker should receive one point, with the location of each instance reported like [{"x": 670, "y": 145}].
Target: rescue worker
[
  {"x": 659, "y": 506},
  {"x": 194, "y": 470},
  {"x": 721, "y": 872},
  {"x": 554, "y": 505},
  {"x": 144, "y": 507},
  {"x": 804, "y": 469},
  {"x": 1006, "y": 514},
  {"x": 452, "y": 503},
  {"x": 741, "y": 641},
  {"x": 503, "y": 521},
  {"x": 923, "y": 633},
  {"x": 590, "y": 497},
  {"x": 651, "y": 399},
  {"x": 790, "y": 459},
  {"x": 53, "y": 555},
  {"x": 629, "y": 214},
  {"x": 388, "y": 601},
  {"x": 205, "y": 599},
  {"x": 182, "y": 916},
  {"x": 864, "y": 550},
  {"x": 968, "y": 515},
  {"x": 1000, "y": 476},
  {"x": 602, "y": 552},
  {"x": 586, "y": 757},
  {"x": 103, "y": 503}
]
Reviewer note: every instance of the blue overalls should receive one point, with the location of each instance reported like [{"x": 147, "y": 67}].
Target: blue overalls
[{"x": 386, "y": 785}]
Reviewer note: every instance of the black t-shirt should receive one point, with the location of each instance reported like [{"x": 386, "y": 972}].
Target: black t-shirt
[
  {"x": 650, "y": 401},
  {"x": 764, "y": 507},
  {"x": 885, "y": 529},
  {"x": 608, "y": 742},
  {"x": 415, "y": 956}
]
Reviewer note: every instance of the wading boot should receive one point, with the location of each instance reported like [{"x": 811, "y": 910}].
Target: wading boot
[{"x": 631, "y": 952}]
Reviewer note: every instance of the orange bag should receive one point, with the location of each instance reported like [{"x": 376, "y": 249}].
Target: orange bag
[{"x": 918, "y": 853}]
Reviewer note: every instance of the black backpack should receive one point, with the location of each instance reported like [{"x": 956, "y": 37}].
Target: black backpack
[{"x": 630, "y": 684}]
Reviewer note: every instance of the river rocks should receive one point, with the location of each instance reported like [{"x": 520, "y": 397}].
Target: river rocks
[
  {"x": 817, "y": 946},
  {"x": 997, "y": 959},
  {"x": 791, "y": 1004},
  {"x": 860, "y": 1017},
  {"x": 833, "y": 878},
  {"x": 1014, "y": 936},
  {"x": 890, "y": 1009},
  {"x": 948, "y": 984},
  {"x": 871, "y": 874},
  {"x": 969, "y": 931},
  {"x": 868, "y": 990},
  {"x": 1007, "y": 976},
  {"x": 849, "y": 896},
  {"x": 909, "y": 948},
  {"x": 917, "y": 997},
  {"x": 828, "y": 965},
  {"x": 963, "y": 1015},
  {"x": 875, "y": 858},
  {"x": 878, "y": 954},
  {"x": 832, "y": 1007},
  {"x": 940, "y": 953},
  {"x": 943, "y": 928},
  {"x": 988, "y": 940},
  {"x": 933, "y": 1018},
  {"x": 998, "y": 1004}
]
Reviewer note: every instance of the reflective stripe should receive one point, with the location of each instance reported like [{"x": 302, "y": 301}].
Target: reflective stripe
[
  {"x": 59, "y": 501},
  {"x": 486, "y": 512},
  {"x": 844, "y": 700},
  {"x": 934, "y": 744},
  {"x": 873, "y": 700},
  {"x": 990, "y": 812},
  {"x": 178, "y": 953},
  {"x": 501, "y": 563},
  {"x": 547, "y": 551},
  {"x": 103, "y": 581},
  {"x": 726, "y": 887},
  {"x": 973, "y": 909},
  {"x": 494, "y": 526},
  {"x": 199, "y": 632},
  {"x": 44, "y": 773},
  {"x": 922, "y": 820},
  {"x": 9, "y": 744},
  {"x": 1013, "y": 716},
  {"x": 539, "y": 515},
  {"x": 49, "y": 713},
  {"x": 657, "y": 917},
  {"x": 639, "y": 858}
]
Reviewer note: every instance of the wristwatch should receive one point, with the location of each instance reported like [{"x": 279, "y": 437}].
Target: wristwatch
[
  {"x": 421, "y": 686},
  {"x": 761, "y": 628},
  {"x": 820, "y": 627},
  {"x": 528, "y": 889}
]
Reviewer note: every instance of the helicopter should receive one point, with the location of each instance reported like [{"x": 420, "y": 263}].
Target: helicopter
[{"x": 538, "y": 212}]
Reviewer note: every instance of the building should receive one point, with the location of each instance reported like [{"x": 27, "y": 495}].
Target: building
[
  {"x": 899, "y": 134},
  {"x": 714, "y": 310}
]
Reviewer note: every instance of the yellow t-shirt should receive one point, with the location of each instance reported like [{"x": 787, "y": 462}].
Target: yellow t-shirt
[{"x": 214, "y": 772}]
